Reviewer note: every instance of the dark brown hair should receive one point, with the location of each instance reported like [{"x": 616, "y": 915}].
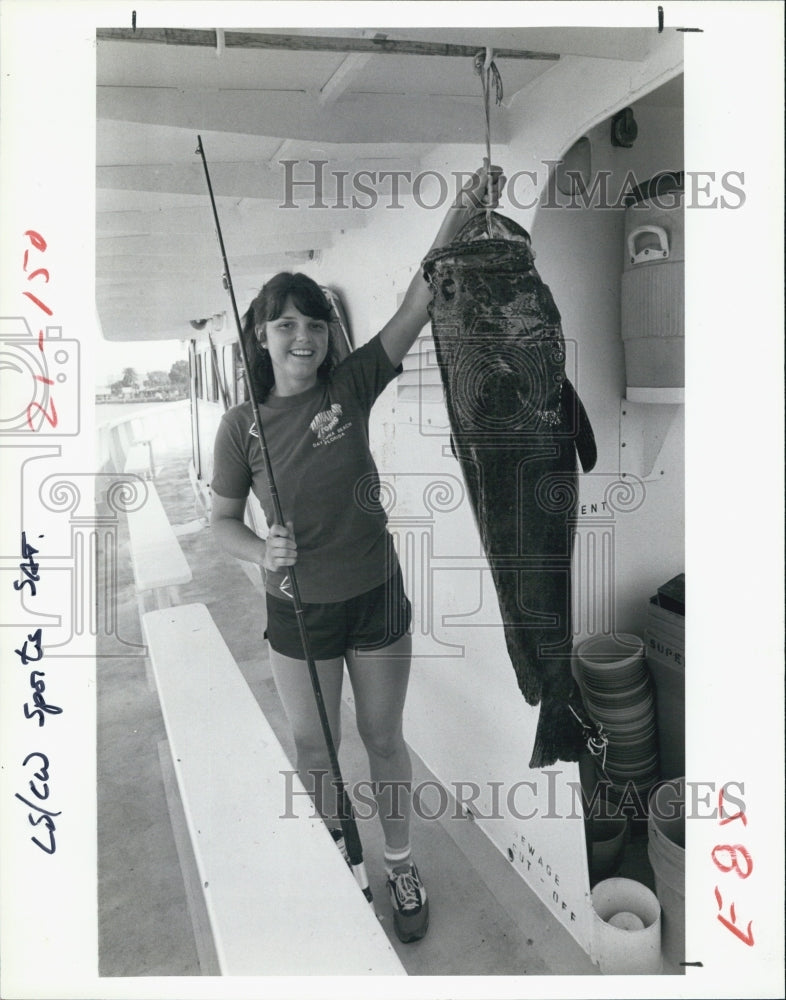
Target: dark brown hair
[{"x": 308, "y": 298}]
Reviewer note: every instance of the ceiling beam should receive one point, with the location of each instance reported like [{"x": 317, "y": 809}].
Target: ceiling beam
[
  {"x": 293, "y": 186},
  {"x": 169, "y": 246},
  {"x": 243, "y": 221},
  {"x": 350, "y": 67},
  {"x": 296, "y": 114},
  {"x": 308, "y": 43},
  {"x": 135, "y": 272}
]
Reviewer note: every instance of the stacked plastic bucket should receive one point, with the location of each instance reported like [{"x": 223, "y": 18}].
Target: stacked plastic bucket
[
  {"x": 666, "y": 852},
  {"x": 618, "y": 692}
]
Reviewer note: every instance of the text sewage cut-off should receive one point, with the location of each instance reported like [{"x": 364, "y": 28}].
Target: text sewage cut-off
[{"x": 526, "y": 854}]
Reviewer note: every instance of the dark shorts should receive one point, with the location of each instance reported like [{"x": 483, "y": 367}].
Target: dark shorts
[{"x": 369, "y": 621}]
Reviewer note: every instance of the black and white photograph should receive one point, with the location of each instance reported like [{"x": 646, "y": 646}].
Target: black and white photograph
[{"x": 391, "y": 412}]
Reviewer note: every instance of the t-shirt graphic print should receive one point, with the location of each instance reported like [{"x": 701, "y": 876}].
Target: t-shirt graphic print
[{"x": 323, "y": 425}]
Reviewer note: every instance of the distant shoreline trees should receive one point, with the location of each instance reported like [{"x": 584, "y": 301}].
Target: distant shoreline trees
[{"x": 158, "y": 385}]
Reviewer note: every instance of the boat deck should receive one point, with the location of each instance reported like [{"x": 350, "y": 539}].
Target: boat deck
[{"x": 147, "y": 925}]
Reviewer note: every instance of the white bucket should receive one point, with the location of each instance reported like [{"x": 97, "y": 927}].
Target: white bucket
[
  {"x": 666, "y": 820},
  {"x": 626, "y": 928},
  {"x": 666, "y": 852}
]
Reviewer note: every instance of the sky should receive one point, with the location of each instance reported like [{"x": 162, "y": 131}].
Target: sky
[{"x": 143, "y": 355}]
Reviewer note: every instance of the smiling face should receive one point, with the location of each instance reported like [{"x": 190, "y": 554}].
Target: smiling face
[{"x": 298, "y": 344}]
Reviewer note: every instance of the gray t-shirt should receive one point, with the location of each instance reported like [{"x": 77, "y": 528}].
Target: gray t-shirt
[{"x": 325, "y": 475}]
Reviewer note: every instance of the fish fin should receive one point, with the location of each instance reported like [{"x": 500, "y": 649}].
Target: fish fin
[
  {"x": 576, "y": 416},
  {"x": 560, "y": 733}
]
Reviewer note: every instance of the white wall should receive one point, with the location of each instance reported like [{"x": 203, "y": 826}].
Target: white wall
[
  {"x": 580, "y": 256},
  {"x": 465, "y": 715}
]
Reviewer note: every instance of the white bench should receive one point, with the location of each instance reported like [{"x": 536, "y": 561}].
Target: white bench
[
  {"x": 280, "y": 898},
  {"x": 130, "y": 445},
  {"x": 139, "y": 459},
  {"x": 139, "y": 456},
  {"x": 156, "y": 557}
]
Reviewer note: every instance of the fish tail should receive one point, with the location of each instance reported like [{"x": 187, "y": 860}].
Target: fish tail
[{"x": 560, "y": 734}]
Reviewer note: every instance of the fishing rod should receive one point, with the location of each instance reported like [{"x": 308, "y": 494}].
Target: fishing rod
[{"x": 347, "y": 819}]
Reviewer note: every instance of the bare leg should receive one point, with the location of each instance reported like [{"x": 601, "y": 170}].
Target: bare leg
[
  {"x": 379, "y": 681},
  {"x": 293, "y": 684}
]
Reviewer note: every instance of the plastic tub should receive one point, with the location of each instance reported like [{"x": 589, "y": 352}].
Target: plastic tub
[
  {"x": 667, "y": 811},
  {"x": 626, "y": 928},
  {"x": 666, "y": 852}
]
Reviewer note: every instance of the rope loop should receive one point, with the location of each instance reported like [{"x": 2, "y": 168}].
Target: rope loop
[
  {"x": 597, "y": 740},
  {"x": 487, "y": 70}
]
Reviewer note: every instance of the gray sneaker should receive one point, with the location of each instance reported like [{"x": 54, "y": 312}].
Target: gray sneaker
[{"x": 410, "y": 904}]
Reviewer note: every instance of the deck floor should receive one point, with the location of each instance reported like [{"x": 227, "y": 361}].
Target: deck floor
[{"x": 478, "y": 923}]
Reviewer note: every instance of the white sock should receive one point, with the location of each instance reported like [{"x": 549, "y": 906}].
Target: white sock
[{"x": 397, "y": 858}]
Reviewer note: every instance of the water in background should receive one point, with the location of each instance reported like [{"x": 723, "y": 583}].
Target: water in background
[
  {"x": 108, "y": 412},
  {"x": 120, "y": 426}
]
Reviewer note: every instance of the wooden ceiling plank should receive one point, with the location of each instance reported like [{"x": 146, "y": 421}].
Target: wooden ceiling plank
[{"x": 309, "y": 43}]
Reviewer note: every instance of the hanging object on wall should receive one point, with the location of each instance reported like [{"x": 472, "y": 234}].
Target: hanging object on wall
[
  {"x": 516, "y": 427},
  {"x": 624, "y": 128},
  {"x": 653, "y": 293}
]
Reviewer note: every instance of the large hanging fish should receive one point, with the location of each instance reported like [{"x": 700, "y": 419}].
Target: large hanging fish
[{"x": 516, "y": 425}]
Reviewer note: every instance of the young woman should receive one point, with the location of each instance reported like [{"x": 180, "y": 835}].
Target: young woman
[{"x": 315, "y": 416}]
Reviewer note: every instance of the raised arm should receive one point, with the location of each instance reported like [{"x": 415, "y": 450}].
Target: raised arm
[{"x": 401, "y": 331}]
